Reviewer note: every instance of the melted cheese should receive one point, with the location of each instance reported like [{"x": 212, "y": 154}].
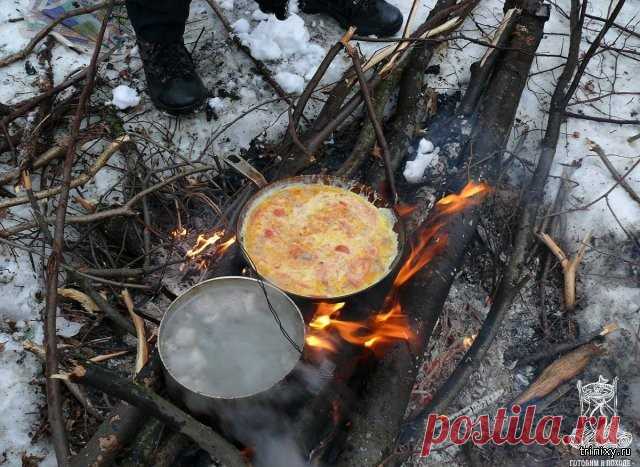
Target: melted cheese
[{"x": 319, "y": 240}]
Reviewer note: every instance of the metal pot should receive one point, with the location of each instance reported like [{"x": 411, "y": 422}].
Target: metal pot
[
  {"x": 363, "y": 190},
  {"x": 221, "y": 346}
]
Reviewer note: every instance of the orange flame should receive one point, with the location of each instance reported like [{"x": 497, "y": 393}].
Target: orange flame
[
  {"x": 404, "y": 210},
  {"x": 203, "y": 242},
  {"x": 392, "y": 324}
]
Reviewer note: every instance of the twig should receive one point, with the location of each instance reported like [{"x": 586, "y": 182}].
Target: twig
[
  {"x": 561, "y": 348},
  {"x": 83, "y": 299},
  {"x": 166, "y": 412},
  {"x": 143, "y": 351},
  {"x": 594, "y": 118},
  {"x": 41, "y": 161},
  {"x": 113, "y": 314},
  {"x": 108, "y": 356},
  {"x": 124, "y": 210},
  {"x": 616, "y": 175},
  {"x": 44, "y": 32},
  {"x": 317, "y": 76},
  {"x": 376, "y": 123},
  {"x": 54, "y": 398},
  {"x": 100, "y": 162},
  {"x": 569, "y": 267}
]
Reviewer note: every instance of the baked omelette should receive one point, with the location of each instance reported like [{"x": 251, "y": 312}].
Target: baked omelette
[{"x": 318, "y": 240}]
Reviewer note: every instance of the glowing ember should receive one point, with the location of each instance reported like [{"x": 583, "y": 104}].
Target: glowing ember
[
  {"x": 391, "y": 324},
  {"x": 179, "y": 232},
  {"x": 467, "y": 341}
]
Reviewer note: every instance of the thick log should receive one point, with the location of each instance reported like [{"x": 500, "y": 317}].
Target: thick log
[
  {"x": 377, "y": 422},
  {"x": 119, "y": 427}
]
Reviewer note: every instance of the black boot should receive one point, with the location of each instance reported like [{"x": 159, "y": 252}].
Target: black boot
[
  {"x": 172, "y": 80},
  {"x": 370, "y": 17}
]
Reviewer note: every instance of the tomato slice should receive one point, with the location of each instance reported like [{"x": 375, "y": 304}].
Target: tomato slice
[{"x": 343, "y": 249}]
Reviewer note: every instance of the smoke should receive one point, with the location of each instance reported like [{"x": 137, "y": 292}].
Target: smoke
[{"x": 265, "y": 423}]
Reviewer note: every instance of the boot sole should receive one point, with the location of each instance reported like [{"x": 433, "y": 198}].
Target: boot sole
[{"x": 185, "y": 110}]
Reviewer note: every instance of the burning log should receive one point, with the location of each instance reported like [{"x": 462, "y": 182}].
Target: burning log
[{"x": 377, "y": 422}]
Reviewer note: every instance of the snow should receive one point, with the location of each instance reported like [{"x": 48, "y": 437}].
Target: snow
[
  {"x": 241, "y": 26},
  {"x": 292, "y": 50},
  {"x": 124, "y": 97},
  {"x": 216, "y": 104},
  {"x": 288, "y": 41},
  {"x": 290, "y": 82},
  {"x": 427, "y": 156}
]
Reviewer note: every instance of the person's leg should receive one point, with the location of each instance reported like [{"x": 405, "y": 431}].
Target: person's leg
[
  {"x": 159, "y": 21},
  {"x": 172, "y": 80}
]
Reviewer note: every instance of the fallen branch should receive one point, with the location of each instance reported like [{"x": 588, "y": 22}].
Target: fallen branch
[
  {"x": 152, "y": 404},
  {"x": 104, "y": 306},
  {"x": 125, "y": 210},
  {"x": 77, "y": 391},
  {"x": 120, "y": 427},
  {"x": 594, "y": 118},
  {"x": 317, "y": 76},
  {"x": 569, "y": 266},
  {"x": 46, "y": 157},
  {"x": 382, "y": 141},
  {"x": 54, "y": 398}
]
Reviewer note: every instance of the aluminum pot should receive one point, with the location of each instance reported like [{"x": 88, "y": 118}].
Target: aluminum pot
[{"x": 223, "y": 349}]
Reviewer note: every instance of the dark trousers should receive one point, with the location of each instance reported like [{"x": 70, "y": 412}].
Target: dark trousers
[{"x": 158, "y": 20}]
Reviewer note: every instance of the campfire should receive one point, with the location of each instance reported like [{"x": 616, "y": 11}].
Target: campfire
[{"x": 290, "y": 296}]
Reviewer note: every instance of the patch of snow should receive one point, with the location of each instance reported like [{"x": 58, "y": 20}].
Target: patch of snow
[
  {"x": 124, "y": 97},
  {"x": 66, "y": 328},
  {"x": 241, "y": 26},
  {"x": 217, "y": 104},
  {"x": 427, "y": 156},
  {"x": 226, "y": 5},
  {"x": 259, "y": 15},
  {"x": 290, "y": 82}
]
